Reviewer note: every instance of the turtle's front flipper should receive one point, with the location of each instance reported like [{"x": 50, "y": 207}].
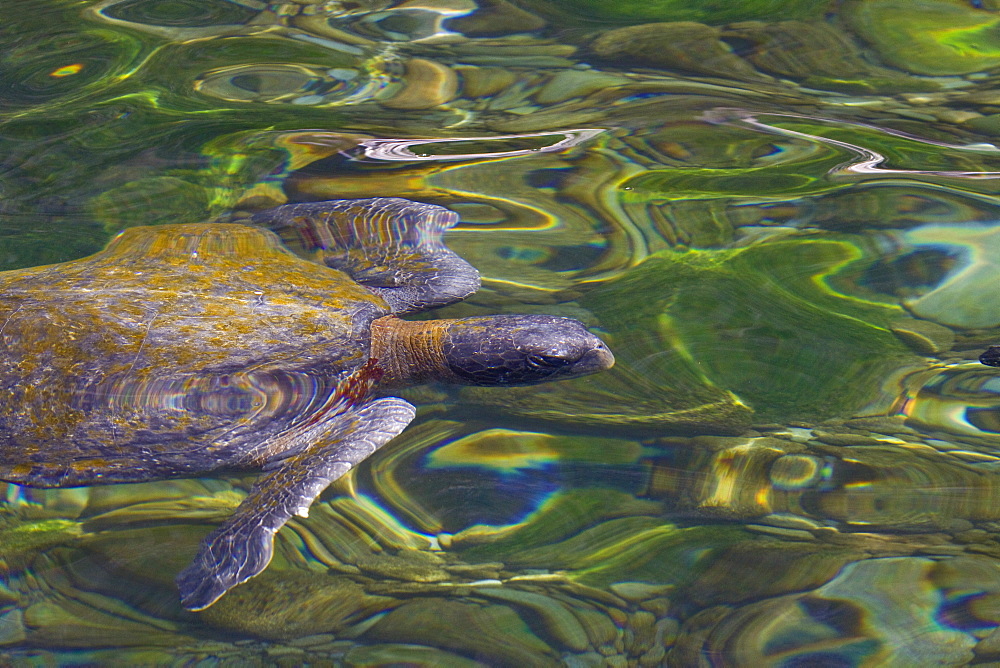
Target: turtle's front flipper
[
  {"x": 242, "y": 547},
  {"x": 390, "y": 245}
]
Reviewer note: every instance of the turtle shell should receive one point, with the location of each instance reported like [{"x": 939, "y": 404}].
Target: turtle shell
[{"x": 172, "y": 352}]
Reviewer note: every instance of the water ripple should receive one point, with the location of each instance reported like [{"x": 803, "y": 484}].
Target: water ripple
[
  {"x": 399, "y": 149},
  {"x": 870, "y": 160}
]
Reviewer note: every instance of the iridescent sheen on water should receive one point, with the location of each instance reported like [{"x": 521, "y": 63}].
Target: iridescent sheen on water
[{"x": 782, "y": 215}]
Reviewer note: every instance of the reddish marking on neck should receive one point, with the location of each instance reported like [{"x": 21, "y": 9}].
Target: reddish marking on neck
[
  {"x": 352, "y": 391},
  {"x": 358, "y": 386}
]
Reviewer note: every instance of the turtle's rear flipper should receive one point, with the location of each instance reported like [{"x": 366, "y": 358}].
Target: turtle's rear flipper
[
  {"x": 242, "y": 547},
  {"x": 390, "y": 245}
]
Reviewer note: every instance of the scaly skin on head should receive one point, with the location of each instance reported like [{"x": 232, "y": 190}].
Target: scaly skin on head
[{"x": 491, "y": 350}]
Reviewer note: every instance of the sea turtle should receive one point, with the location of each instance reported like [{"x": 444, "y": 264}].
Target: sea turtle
[{"x": 184, "y": 350}]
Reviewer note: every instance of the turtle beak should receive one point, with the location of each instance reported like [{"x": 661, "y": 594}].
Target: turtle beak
[{"x": 596, "y": 359}]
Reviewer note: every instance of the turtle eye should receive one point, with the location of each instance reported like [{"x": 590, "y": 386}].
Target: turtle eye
[{"x": 546, "y": 361}]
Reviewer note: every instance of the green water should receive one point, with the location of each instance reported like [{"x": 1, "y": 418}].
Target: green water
[{"x": 781, "y": 215}]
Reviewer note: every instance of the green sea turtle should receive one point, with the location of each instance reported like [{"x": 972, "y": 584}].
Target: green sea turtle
[{"x": 184, "y": 350}]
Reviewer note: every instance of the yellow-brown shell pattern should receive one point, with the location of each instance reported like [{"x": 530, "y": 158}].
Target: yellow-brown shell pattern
[{"x": 164, "y": 353}]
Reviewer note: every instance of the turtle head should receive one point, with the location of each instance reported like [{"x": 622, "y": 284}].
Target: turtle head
[{"x": 521, "y": 350}]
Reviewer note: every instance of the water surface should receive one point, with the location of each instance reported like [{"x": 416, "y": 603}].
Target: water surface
[{"x": 782, "y": 215}]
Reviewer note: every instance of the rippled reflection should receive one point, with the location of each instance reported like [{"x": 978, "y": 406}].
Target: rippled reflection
[
  {"x": 871, "y": 161},
  {"x": 400, "y": 149},
  {"x": 781, "y": 214}
]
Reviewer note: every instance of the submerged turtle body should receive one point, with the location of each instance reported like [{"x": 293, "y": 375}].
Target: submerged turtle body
[
  {"x": 190, "y": 349},
  {"x": 163, "y": 354}
]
